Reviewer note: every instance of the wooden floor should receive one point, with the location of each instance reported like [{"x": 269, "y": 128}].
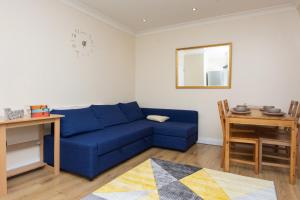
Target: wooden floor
[{"x": 41, "y": 184}]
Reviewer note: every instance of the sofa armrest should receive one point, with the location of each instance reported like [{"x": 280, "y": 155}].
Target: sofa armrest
[{"x": 187, "y": 116}]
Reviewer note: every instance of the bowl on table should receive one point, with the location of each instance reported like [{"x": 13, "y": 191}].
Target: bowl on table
[
  {"x": 267, "y": 108},
  {"x": 241, "y": 108}
]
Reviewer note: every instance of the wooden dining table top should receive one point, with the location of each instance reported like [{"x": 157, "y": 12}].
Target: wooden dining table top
[{"x": 256, "y": 113}]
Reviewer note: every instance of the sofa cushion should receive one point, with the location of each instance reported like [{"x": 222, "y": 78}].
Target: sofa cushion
[
  {"x": 109, "y": 115},
  {"x": 157, "y": 118},
  {"x": 175, "y": 129},
  {"x": 188, "y": 116},
  {"x": 77, "y": 121},
  {"x": 114, "y": 137},
  {"x": 132, "y": 111}
]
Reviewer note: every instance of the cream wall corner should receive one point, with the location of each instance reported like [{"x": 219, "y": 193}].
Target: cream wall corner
[{"x": 266, "y": 51}]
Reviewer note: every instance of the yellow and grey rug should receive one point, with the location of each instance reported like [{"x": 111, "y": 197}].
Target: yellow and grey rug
[{"x": 158, "y": 179}]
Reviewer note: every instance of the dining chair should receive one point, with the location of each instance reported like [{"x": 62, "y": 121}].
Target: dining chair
[
  {"x": 239, "y": 138},
  {"x": 278, "y": 138}
]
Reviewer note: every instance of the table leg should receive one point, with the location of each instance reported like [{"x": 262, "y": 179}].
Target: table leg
[
  {"x": 56, "y": 147},
  {"x": 227, "y": 146},
  {"x": 41, "y": 138},
  {"x": 293, "y": 154},
  {"x": 3, "y": 173}
]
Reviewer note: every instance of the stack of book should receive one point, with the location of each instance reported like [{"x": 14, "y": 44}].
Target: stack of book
[{"x": 39, "y": 111}]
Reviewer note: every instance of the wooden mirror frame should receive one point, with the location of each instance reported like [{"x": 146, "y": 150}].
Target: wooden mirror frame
[{"x": 206, "y": 87}]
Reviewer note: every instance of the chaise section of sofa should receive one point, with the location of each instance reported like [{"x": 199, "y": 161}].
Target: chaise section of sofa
[
  {"x": 180, "y": 132},
  {"x": 89, "y": 153}
]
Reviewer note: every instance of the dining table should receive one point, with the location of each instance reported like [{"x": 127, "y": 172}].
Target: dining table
[{"x": 257, "y": 118}]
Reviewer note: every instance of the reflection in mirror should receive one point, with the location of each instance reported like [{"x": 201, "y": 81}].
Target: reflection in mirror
[{"x": 204, "y": 67}]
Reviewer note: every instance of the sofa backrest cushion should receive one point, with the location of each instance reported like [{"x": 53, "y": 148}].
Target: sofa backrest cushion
[
  {"x": 132, "y": 111},
  {"x": 109, "y": 115},
  {"x": 77, "y": 121}
]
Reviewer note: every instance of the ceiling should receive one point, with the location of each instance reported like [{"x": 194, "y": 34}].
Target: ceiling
[{"x": 161, "y": 13}]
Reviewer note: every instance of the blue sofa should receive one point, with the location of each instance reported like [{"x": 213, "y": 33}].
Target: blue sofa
[{"x": 97, "y": 138}]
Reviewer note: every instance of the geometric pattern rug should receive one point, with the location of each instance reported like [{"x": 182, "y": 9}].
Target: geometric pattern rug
[{"x": 157, "y": 179}]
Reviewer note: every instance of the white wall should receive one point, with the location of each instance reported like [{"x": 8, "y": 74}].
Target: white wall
[
  {"x": 39, "y": 66},
  {"x": 266, "y": 52}
]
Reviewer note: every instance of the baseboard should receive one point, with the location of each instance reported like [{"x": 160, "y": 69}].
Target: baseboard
[{"x": 211, "y": 141}]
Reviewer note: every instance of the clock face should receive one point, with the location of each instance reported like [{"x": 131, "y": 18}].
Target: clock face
[{"x": 82, "y": 43}]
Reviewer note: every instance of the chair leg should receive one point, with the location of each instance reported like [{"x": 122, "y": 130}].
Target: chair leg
[
  {"x": 260, "y": 155},
  {"x": 222, "y": 157},
  {"x": 256, "y": 157},
  {"x": 223, "y": 153}
]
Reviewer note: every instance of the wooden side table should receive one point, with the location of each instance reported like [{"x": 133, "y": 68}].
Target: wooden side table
[{"x": 7, "y": 124}]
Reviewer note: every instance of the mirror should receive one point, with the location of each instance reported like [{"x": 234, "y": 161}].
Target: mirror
[{"x": 204, "y": 67}]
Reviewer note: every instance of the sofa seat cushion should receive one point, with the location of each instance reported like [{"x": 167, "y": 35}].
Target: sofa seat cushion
[
  {"x": 174, "y": 129},
  {"x": 114, "y": 137},
  {"x": 109, "y": 115},
  {"x": 76, "y": 121}
]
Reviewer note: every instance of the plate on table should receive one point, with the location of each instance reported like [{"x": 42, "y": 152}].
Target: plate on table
[
  {"x": 248, "y": 111},
  {"x": 274, "y": 114}
]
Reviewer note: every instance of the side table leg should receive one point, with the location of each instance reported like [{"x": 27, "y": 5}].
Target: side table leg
[
  {"x": 3, "y": 172},
  {"x": 41, "y": 138},
  {"x": 57, "y": 147}
]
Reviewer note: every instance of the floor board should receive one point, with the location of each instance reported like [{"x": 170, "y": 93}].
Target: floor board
[{"x": 41, "y": 184}]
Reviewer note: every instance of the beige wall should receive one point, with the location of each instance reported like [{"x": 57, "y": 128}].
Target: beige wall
[
  {"x": 193, "y": 69},
  {"x": 266, "y": 51},
  {"x": 38, "y": 64}
]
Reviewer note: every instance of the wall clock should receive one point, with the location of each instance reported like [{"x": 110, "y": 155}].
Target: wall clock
[{"x": 82, "y": 43}]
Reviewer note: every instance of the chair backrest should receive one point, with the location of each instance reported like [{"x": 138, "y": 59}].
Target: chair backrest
[
  {"x": 291, "y": 107},
  {"x": 222, "y": 116},
  {"x": 226, "y": 105},
  {"x": 298, "y": 113},
  {"x": 295, "y": 109}
]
